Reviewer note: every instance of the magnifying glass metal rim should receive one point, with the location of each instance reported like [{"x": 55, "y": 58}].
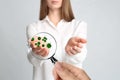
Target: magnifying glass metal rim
[{"x": 51, "y": 57}]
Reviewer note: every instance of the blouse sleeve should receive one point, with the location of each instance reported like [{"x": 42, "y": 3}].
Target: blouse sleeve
[
  {"x": 80, "y": 30},
  {"x": 32, "y": 57}
]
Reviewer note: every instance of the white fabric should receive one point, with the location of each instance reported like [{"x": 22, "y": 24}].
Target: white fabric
[{"x": 42, "y": 70}]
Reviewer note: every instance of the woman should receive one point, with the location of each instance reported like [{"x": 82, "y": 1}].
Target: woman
[{"x": 56, "y": 18}]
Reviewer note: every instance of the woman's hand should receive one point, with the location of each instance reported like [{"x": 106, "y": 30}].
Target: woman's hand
[
  {"x": 42, "y": 51},
  {"x": 74, "y": 45},
  {"x": 38, "y": 46}
]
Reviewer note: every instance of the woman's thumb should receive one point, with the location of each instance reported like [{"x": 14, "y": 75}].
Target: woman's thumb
[{"x": 82, "y": 40}]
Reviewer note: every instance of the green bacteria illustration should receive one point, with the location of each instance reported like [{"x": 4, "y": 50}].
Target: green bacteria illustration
[
  {"x": 37, "y": 44},
  {"x": 32, "y": 39},
  {"x": 43, "y": 45},
  {"x": 44, "y": 39},
  {"x": 41, "y": 41},
  {"x": 49, "y": 45},
  {"x": 39, "y": 38}
]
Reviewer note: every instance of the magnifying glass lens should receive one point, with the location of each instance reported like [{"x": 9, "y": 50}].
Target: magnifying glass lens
[{"x": 45, "y": 40}]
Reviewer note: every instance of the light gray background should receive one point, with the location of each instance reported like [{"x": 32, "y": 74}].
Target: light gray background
[{"x": 102, "y": 16}]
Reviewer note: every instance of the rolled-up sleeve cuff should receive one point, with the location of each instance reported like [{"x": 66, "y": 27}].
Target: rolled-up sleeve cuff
[
  {"x": 34, "y": 59},
  {"x": 78, "y": 58}
]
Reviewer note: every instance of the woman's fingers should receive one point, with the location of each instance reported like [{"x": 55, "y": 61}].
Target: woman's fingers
[
  {"x": 80, "y": 45},
  {"x": 76, "y": 49},
  {"x": 40, "y": 51},
  {"x": 73, "y": 50},
  {"x": 69, "y": 53},
  {"x": 44, "y": 52}
]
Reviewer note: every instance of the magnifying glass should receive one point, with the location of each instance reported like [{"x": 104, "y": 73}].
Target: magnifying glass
[{"x": 45, "y": 40}]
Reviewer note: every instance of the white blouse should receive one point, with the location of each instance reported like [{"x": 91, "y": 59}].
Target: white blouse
[{"x": 42, "y": 69}]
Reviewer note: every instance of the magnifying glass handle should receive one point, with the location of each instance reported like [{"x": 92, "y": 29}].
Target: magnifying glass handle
[{"x": 53, "y": 60}]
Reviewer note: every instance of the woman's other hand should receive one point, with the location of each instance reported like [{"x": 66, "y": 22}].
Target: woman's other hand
[{"x": 74, "y": 45}]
